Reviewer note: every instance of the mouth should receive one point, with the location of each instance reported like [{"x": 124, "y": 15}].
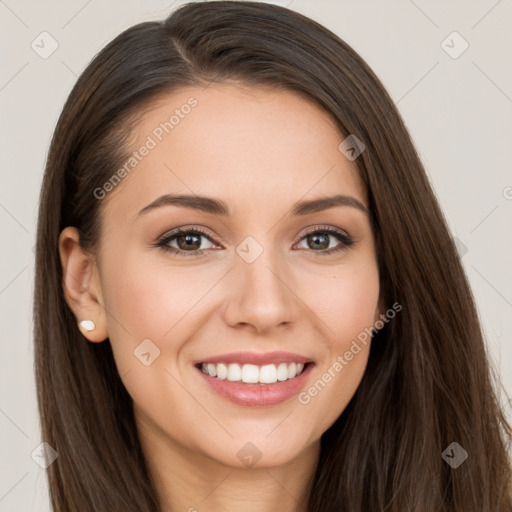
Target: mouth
[
  {"x": 251, "y": 385},
  {"x": 252, "y": 373}
]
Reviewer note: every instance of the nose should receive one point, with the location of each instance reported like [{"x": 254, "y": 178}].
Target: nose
[{"x": 261, "y": 294}]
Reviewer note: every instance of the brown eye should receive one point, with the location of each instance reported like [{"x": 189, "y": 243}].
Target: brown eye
[
  {"x": 187, "y": 242},
  {"x": 319, "y": 241}
]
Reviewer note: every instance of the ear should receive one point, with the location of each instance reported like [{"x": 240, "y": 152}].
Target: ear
[{"x": 81, "y": 284}]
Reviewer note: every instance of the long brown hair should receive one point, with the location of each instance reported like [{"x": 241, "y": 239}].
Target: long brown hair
[{"x": 428, "y": 382}]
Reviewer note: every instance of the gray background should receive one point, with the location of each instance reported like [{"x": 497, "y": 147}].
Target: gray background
[{"x": 458, "y": 111}]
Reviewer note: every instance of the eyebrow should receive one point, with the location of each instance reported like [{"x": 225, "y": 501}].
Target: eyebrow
[{"x": 218, "y": 207}]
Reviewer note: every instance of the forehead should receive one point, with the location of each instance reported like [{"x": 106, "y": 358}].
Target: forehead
[{"x": 246, "y": 145}]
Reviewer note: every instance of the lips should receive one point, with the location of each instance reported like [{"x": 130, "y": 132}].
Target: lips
[
  {"x": 248, "y": 389},
  {"x": 257, "y": 395},
  {"x": 259, "y": 359}
]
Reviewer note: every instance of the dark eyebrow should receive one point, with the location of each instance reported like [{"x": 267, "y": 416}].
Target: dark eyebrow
[
  {"x": 218, "y": 207},
  {"x": 324, "y": 203}
]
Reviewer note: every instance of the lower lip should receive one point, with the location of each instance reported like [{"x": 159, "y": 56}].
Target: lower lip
[{"x": 256, "y": 395}]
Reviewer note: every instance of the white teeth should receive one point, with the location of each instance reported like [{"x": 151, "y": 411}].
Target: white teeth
[
  {"x": 234, "y": 372},
  {"x": 222, "y": 371},
  {"x": 250, "y": 373},
  {"x": 268, "y": 374},
  {"x": 282, "y": 371},
  {"x": 253, "y": 374}
]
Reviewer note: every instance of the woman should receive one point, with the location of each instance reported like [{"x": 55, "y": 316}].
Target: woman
[{"x": 247, "y": 296}]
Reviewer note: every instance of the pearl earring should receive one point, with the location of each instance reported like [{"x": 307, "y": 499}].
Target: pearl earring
[{"x": 86, "y": 325}]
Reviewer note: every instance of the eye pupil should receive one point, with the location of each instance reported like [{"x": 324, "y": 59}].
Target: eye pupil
[
  {"x": 323, "y": 244},
  {"x": 187, "y": 241}
]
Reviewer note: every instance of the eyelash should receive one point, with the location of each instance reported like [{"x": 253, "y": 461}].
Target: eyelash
[{"x": 162, "y": 242}]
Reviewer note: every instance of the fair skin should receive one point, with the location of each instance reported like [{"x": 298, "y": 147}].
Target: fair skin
[{"x": 260, "y": 151}]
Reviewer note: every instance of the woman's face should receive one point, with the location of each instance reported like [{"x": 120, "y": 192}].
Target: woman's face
[{"x": 261, "y": 285}]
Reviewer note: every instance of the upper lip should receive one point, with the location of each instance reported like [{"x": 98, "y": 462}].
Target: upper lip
[{"x": 256, "y": 358}]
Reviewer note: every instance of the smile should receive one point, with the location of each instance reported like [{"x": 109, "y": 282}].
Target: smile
[
  {"x": 253, "y": 374},
  {"x": 250, "y": 385}
]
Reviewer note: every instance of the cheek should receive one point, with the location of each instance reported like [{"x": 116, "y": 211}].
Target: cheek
[
  {"x": 149, "y": 299},
  {"x": 148, "y": 302},
  {"x": 153, "y": 301},
  {"x": 346, "y": 306},
  {"x": 345, "y": 302},
  {"x": 334, "y": 385}
]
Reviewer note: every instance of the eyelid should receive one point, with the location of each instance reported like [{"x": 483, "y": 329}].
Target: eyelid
[
  {"x": 204, "y": 231},
  {"x": 163, "y": 240},
  {"x": 325, "y": 227},
  {"x": 209, "y": 234},
  {"x": 346, "y": 240}
]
